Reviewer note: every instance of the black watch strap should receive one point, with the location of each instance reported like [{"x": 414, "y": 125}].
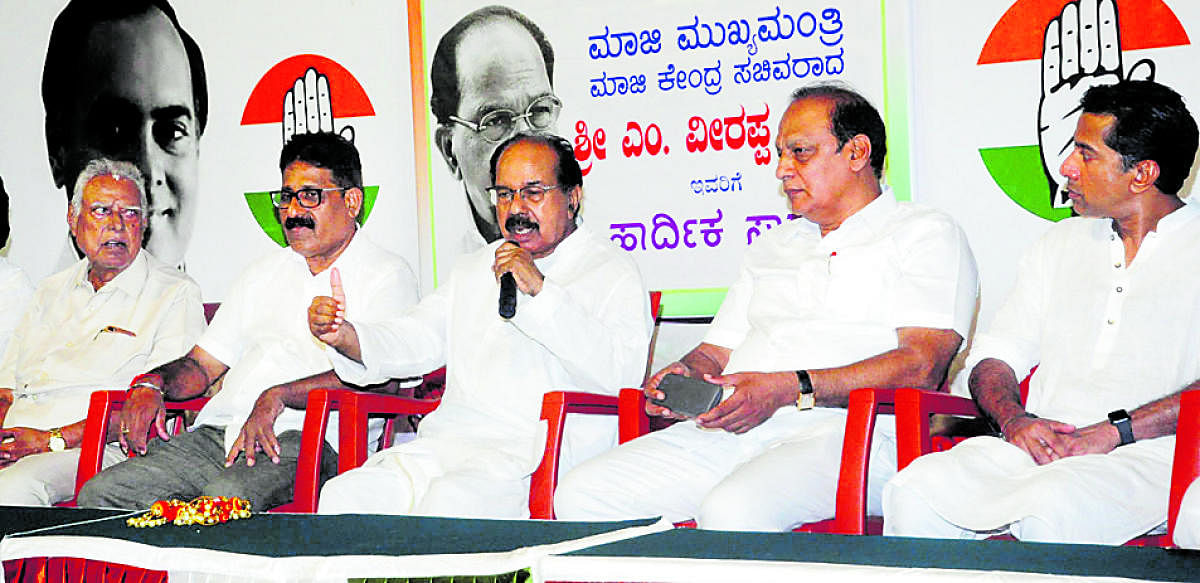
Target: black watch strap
[
  {"x": 805, "y": 400},
  {"x": 1124, "y": 424}
]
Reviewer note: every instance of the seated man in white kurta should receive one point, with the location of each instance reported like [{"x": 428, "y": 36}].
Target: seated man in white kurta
[
  {"x": 15, "y": 289},
  {"x": 863, "y": 292},
  {"x": 581, "y": 324},
  {"x": 259, "y": 343},
  {"x": 92, "y": 326},
  {"x": 1108, "y": 306}
]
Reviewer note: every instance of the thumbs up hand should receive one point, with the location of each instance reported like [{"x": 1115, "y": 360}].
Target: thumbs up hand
[{"x": 326, "y": 319}]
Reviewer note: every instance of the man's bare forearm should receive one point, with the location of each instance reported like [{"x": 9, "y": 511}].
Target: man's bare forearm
[
  {"x": 920, "y": 361},
  {"x": 183, "y": 378},
  {"x": 1159, "y": 417},
  {"x": 994, "y": 387},
  {"x": 295, "y": 394}
]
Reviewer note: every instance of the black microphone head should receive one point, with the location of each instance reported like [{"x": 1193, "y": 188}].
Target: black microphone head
[{"x": 508, "y": 296}]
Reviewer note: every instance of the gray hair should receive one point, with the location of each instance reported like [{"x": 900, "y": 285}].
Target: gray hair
[{"x": 116, "y": 169}]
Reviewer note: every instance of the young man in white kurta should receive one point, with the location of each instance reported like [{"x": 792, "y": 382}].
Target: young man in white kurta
[
  {"x": 808, "y": 298},
  {"x": 1108, "y": 308},
  {"x": 585, "y": 327},
  {"x": 1105, "y": 336}
]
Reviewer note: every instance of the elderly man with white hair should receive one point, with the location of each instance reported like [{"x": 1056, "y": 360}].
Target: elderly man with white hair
[{"x": 115, "y": 313}]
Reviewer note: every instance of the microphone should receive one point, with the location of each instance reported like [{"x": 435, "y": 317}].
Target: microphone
[{"x": 508, "y": 296}]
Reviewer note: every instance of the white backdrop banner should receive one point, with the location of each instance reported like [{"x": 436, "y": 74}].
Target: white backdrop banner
[{"x": 672, "y": 107}]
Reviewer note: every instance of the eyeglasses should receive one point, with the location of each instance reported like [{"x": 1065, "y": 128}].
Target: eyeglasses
[
  {"x": 127, "y": 213},
  {"x": 307, "y": 197},
  {"x": 532, "y": 193},
  {"x": 495, "y": 125}
]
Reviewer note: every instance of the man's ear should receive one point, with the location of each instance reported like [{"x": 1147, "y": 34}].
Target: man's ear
[
  {"x": 574, "y": 198},
  {"x": 1145, "y": 174},
  {"x": 354, "y": 202},
  {"x": 71, "y": 219},
  {"x": 443, "y": 136},
  {"x": 859, "y": 148}
]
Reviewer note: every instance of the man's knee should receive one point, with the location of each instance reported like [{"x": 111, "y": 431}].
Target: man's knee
[
  {"x": 586, "y": 494},
  {"x": 103, "y": 491},
  {"x": 367, "y": 490},
  {"x": 471, "y": 495},
  {"x": 23, "y": 490},
  {"x": 728, "y": 507},
  {"x": 261, "y": 496}
]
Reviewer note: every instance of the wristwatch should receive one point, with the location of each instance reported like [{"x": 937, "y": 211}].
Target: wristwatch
[
  {"x": 57, "y": 442},
  {"x": 806, "y": 399},
  {"x": 1120, "y": 418}
]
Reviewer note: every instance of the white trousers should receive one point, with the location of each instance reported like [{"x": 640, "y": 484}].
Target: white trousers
[
  {"x": 1187, "y": 525},
  {"x": 778, "y": 475},
  {"x": 986, "y": 486},
  {"x": 47, "y": 478},
  {"x": 433, "y": 477}
]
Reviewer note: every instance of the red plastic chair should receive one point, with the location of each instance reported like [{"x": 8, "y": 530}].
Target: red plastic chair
[
  {"x": 864, "y": 407},
  {"x": 914, "y": 439},
  {"x": 353, "y": 448},
  {"x": 1187, "y": 456},
  {"x": 557, "y": 405},
  {"x": 355, "y": 408}
]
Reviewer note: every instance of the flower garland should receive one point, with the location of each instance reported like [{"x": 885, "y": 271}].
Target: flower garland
[{"x": 205, "y": 510}]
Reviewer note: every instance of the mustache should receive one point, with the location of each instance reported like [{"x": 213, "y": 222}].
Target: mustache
[
  {"x": 519, "y": 221},
  {"x": 300, "y": 221}
]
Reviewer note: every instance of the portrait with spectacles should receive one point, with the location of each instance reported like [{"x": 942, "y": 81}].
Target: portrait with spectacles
[
  {"x": 490, "y": 78},
  {"x": 498, "y": 124}
]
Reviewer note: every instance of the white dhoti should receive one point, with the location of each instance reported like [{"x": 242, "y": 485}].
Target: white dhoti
[{"x": 986, "y": 486}]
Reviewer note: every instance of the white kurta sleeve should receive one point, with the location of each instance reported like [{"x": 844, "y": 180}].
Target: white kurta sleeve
[
  {"x": 1013, "y": 334},
  {"x": 12, "y": 354},
  {"x": 938, "y": 282},
  {"x": 732, "y": 322},
  {"x": 405, "y": 344},
  {"x": 602, "y": 346},
  {"x": 181, "y": 325}
]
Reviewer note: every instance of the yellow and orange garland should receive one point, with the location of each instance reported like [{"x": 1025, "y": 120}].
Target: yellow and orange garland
[{"x": 205, "y": 510}]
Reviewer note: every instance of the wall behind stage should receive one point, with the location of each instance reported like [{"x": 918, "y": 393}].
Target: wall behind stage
[
  {"x": 960, "y": 87},
  {"x": 361, "y": 47}
]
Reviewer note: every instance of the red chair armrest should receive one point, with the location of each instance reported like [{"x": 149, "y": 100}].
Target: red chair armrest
[
  {"x": 556, "y": 405},
  {"x": 100, "y": 409},
  {"x": 863, "y": 408},
  {"x": 913, "y": 408},
  {"x": 354, "y": 408},
  {"x": 1187, "y": 455},
  {"x": 632, "y": 421}
]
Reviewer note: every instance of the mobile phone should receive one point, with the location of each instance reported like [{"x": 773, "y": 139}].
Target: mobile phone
[{"x": 688, "y": 396}]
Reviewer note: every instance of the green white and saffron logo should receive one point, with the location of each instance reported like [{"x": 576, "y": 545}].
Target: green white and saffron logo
[
  {"x": 305, "y": 94},
  {"x": 1079, "y": 44}
]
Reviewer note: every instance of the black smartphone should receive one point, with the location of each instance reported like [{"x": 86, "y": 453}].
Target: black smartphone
[{"x": 688, "y": 396}]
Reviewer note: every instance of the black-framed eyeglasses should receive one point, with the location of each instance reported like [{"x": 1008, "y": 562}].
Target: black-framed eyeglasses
[
  {"x": 307, "y": 197},
  {"x": 498, "y": 124},
  {"x": 531, "y": 193}
]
